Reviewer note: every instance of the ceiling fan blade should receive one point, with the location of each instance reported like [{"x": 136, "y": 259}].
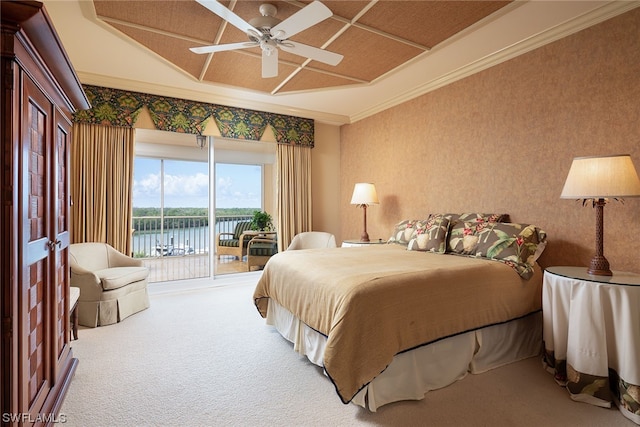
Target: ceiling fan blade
[
  {"x": 311, "y": 52},
  {"x": 306, "y": 17},
  {"x": 228, "y": 16},
  {"x": 269, "y": 63},
  {"x": 223, "y": 47}
]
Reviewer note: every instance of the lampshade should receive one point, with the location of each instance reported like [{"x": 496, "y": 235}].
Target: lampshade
[
  {"x": 364, "y": 193},
  {"x": 601, "y": 177}
]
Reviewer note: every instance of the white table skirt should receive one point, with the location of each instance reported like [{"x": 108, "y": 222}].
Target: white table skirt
[{"x": 593, "y": 328}]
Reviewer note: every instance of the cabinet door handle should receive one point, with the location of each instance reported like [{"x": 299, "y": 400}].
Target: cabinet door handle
[{"x": 52, "y": 245}]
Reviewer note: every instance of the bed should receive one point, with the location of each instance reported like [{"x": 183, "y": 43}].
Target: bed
[{"x": 391, "y": 322}]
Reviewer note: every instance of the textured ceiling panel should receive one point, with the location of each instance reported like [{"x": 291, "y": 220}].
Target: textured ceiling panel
[
  {"x": 173, "y": 50},
  {"x": 369, "y": 55},
  {"x": 308, "y": 78},
  {"x": 374, "y": 37},
  {"x": 428, "y": 24},
  {"x": 242, "y": 70}
]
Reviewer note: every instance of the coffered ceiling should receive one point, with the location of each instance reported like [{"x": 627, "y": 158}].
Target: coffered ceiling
[{"x": 393, "y": 50}]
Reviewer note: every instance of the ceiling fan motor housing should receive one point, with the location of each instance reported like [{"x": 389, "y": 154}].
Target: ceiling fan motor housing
[{"x": 265, "y": 22}]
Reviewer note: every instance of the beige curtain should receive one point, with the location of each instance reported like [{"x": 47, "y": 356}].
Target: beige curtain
[
  {"x": 293, "y": 181},
  {"x": 102, "y": 184}
]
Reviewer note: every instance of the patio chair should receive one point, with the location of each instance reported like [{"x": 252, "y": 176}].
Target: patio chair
[
  {"x": 261, "y": 248},
  {"x": 235, "y": 243}
]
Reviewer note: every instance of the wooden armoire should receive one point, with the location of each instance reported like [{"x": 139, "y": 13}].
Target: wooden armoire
[{"x": 40, "y": 92}]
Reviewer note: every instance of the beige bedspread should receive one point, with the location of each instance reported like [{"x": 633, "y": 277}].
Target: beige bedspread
[{"x": 375, "y": 302}]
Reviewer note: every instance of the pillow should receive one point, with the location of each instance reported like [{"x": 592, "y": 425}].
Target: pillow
[
  {"x": 453, "y": 217},
  {"x": 463, "y": 235},
  {"x": 431, "y": 236},
  {"x": 518, "y": 245},
  {"x": 404, "y": 231}
]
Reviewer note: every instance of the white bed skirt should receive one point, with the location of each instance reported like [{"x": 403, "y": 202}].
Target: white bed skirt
[{"x": 413, "y": 373}]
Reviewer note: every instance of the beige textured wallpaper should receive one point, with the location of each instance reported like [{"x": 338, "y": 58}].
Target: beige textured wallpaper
[{"x": 502, "y": 141}]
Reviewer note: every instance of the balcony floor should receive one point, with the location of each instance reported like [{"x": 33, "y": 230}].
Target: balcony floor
[{"x": 164, "y": 269}]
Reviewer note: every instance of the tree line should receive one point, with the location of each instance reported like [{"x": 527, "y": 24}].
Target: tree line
[{"x": 202, "y": 214}]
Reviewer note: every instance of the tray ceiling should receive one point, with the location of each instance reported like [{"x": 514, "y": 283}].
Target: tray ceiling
[
  {"x": 375, "y": 37},
  {"x": 393, "y": 50}
]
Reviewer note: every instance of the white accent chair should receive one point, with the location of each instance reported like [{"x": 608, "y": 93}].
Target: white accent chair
[
  {"x": 113, "y": 286},
  {"x": 312, "y": 240}
]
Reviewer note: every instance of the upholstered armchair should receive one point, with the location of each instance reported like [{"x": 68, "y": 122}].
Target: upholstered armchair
[
  {"x": 234, "y": 243},
  {"x": 311, "y": 240},
  {"x": 112, "y": 285},
  {"x": 261, "y": 248}
]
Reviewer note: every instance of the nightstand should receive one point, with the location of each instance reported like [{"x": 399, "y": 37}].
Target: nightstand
[
  {"x": 591, "y": 333},
  {"x": 358, "y": 243}
]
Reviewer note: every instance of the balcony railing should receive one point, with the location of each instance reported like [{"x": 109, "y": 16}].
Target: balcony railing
[{"x": 161, "y": 236}]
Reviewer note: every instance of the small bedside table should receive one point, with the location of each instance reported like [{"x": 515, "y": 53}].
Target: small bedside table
[
  {"x": 358, "y": 243},
  {"x": 591, "y": 333}
]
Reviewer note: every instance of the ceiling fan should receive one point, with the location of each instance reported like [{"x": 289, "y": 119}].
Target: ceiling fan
[{"x": 269, "y": 33}]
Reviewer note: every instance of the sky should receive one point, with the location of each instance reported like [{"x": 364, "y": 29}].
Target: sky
[{"x": 187, "y": 183}]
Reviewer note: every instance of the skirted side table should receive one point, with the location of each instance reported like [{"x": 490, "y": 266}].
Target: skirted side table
[{"x": 591, "y": 333}]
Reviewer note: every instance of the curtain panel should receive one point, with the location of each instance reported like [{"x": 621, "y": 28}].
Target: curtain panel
[
  {"x": 114, "y": 107},
  {"x": 293, "y": 181},
  {"x": 102, "y": 185}
]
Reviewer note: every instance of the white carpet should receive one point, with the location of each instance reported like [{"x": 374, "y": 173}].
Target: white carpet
[{"x": 205, "y": 357}]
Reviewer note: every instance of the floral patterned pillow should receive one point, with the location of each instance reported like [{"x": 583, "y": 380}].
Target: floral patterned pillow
[
  {"x": 405, "y": 230},
  {"x": 431, "y": 236},
  {"x": 517, "y": 245},
  {"x": 463, "y": 236},
  {"x": 472, "y": 217}
]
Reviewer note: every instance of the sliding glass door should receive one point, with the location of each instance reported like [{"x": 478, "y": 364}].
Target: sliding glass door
[
  {"x": 185, "y": 194},
  {"x": 238, "y": 194},
  {"x": 171, "y": 217}
]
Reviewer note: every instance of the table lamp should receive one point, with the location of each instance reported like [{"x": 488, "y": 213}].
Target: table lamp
[
  {"x": 364, "y": 194},
  {"x": 598, "y": 179}
]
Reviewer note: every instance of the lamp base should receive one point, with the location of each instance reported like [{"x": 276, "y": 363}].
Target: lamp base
[
  {"x": 364, "y": 237},
  {"x": 599, "y": 266}
]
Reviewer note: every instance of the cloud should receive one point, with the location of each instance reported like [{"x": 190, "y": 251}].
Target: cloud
[
  {"x": 147, "y": 186},
  {"x": 189, "y": 185},
  {"x": 179, "y": 190},
  {"x": 228, "y": 195},
  {"x": 224, "y": 184},
  {"x": 235, "y": 190}
]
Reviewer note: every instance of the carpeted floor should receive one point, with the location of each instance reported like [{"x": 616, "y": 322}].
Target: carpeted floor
[{"x": 204, "y": 357}]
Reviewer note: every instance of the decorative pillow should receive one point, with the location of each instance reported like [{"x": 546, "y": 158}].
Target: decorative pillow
[
  {"x": 475, "y": 217},
  {"x": 518, "y": 245},
  {"x": 404, "y": 231},
  {"x": 431, "y": 236},
  {"x": 463, "y": 236}
]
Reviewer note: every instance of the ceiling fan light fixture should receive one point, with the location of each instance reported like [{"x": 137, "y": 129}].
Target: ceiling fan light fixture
[{"x": 268, "y": 46}]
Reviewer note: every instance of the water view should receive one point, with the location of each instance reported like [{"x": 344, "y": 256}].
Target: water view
[
  {"x": 171, "y": 228},
  {"x": 180, "y": 235}
]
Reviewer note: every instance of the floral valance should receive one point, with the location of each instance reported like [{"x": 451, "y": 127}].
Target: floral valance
[{"x": 116, "y": 107}]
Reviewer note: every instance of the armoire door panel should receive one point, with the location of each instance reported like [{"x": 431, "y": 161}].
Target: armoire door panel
[
  {"x": 60, "y": 229},
  {"x": 35, "y": 268}
]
